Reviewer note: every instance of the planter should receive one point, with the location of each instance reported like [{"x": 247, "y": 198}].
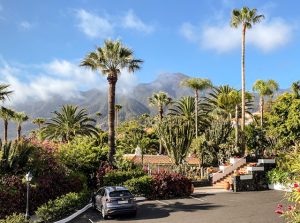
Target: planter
[
  {"x": 227, "y": 186},
  {"x": 255, "y": 168},
  {"x": 266, "y": 161},
  {"x": 233, "y": 160},
  {"x": 246, "y": 177}
]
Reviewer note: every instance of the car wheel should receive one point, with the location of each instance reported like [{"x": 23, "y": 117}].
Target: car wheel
[{"x": 104, "y": 216}]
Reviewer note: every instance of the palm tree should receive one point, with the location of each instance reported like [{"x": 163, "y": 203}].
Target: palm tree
[
  {"x": 110, "y": 60},
  {"x": 247, "y": 18},
  {"x": 160, "y": 100},
  {"x": 264, "y": 88},
  {"x": 19, "y": 118},
  {"x": 6, "y": 114},
  {"x": 296, "y": 89},
  {"x": 4, "y": 92},
  {"x": 68, "y": 123},
  {"x": 117, "y": 110},
  {"x": 197, "y": 84},
  {"x": 39, "y": 122}
]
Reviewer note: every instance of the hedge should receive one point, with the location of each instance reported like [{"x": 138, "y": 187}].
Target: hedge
[
  {"x": 118, "y": 178},
  {"x": 141, "y": 186},
  {"x": 15, "y": 218},
  {"x": 62, "y": 207}
]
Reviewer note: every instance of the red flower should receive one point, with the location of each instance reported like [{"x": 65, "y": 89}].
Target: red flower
[
  {"x": 279, "y": 206},
  {"x": 278, "y": 211},
  {"x": 299, "y": 190},
  {"x": 290, "y": 207},
  {"x": 296, "y": 185}
]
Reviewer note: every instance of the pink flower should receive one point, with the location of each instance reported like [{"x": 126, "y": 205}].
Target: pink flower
[
  {"x": 290, "y": 207},
  {"x": 296, "y": 185},
  {"x": 279, "y": 206},
  {"x": 278, "y": 211}
]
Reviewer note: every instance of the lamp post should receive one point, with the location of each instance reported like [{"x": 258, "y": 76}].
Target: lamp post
[{"x": 28, "y": 178}]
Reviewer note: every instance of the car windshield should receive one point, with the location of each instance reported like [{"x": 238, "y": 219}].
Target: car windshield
[{"x": 119, "y": 193}]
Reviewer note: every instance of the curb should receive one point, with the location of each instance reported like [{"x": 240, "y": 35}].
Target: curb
[{"x": 79, "y": 212}]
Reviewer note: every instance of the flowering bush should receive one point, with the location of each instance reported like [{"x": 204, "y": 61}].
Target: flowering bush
[{"x": 170, "y": 185}]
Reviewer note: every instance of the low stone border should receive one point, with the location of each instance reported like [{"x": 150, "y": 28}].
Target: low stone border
[
  {"x": 281, "y": 187},
  {"x": 79, "y": 212}
]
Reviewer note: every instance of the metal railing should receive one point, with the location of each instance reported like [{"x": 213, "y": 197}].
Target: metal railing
[{"x": 228, "y": 170}]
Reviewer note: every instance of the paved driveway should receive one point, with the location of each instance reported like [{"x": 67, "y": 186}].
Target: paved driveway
[{"x": 246, "y": 207}]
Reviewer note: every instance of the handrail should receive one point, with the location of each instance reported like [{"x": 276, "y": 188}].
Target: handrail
[{"x": 229, "y": 169}]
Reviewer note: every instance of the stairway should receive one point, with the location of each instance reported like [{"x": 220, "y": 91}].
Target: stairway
[{"x": 228, "y": 178}]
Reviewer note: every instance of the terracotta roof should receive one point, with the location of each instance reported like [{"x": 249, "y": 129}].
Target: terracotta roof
[{"x": 158, "y": 159}]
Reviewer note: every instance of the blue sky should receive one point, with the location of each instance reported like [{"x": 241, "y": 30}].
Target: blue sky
[{"x": 42, "y": 42}]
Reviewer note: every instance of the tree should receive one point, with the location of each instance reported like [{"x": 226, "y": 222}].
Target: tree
[
  {"x": 160, "y": 100},
  {"x": 39, "y": 122},
  {"x": 264, "y": 88},
  {"x": 4, "y": 92},
  {"x": 296, "y": 89},
  {"x": 68, "y": 123},
  {"x": 6, "y": 114},
  {"x": 19, "y": 118},
  {"x": 117, "y": 108},
  {"x": 110, "y": 60},
  {"x": 197, "y": 84},
  {"x": 247, "y": 18}
]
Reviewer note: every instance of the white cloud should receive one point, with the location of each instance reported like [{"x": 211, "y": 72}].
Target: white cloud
[
  {"x": 267, "y": 36},
  {"x": 96, "y": 26},
  {"x": 56, "y": 78},
  {"x": 131, "y": 21},
  {"x": 25, "y": 25},
  {"x": 93, "y": 25}
]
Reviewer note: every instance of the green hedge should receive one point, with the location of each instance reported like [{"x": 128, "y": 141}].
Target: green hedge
[
  {"x": 15, "y": 218},
  {"x": 278, "y": 176},
  {"x": 62, "y": 207},
  {"x": 118, "y": 178},
  {"x": 140, "y": 186}
]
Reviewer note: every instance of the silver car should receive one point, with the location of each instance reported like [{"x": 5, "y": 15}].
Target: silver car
[{"x": 114, "y": 200}]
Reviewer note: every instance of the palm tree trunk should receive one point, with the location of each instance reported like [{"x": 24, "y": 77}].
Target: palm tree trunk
[
  {"x": 161, "y": 111},
  {"x": 236, "y": 126},
  {"x": 19, "y": 128},
  {"x": 112, "y": 80},
  {"x": 243, "y": 76},
  {"x": 262, "y": 102},
  {"x": 196, "y": 112},
  {"x": 243, "y": 145},
  {"x": 5, "y": 130}
]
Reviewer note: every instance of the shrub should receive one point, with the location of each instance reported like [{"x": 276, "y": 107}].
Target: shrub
[
  {"x": 278, "y": 176},
  {"x": 62, "y": 207},
  {"x": 170, "y": 185},
  {"x": 140, "y": 186},
  {"x": 15, "y": 218},
  {"x": 117, "y": 178}
]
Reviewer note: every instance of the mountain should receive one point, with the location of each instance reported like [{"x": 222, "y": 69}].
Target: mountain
[{"x": 135, "y": 103}]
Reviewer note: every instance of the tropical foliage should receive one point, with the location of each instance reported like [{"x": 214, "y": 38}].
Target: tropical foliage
[{"x": 68, "y": 123}]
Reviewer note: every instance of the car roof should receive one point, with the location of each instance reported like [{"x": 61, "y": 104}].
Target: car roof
[{"x": 117, "y": 188}]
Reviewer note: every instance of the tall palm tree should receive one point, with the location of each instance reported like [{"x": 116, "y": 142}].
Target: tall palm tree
[
  {"x": 160, "y": 100},
  {"x": 296, "y": 89},
  {"x": 39, "y": 122},
  {"x": 197, "y": 84},
  {"x": 110, "y": 60},
  {"x": 117, "y": 110},
  {"x": 19, "y": 118},
  {"x": 246, "y": 18},
  {"x": 4, "y": 92},
  {"x": 68, "y": 123},
  {"x": 6, "y": 114},
  {"x": 264, "y": 88}
]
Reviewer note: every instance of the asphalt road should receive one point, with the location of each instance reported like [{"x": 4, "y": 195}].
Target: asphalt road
[{"x": 245, "y": 207}]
